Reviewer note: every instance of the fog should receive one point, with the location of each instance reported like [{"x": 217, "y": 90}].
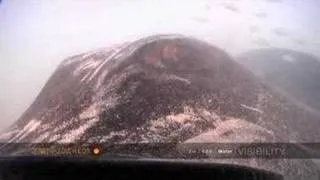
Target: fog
[{"x": 35, "y": 36}]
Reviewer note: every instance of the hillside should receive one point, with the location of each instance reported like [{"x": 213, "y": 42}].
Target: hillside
[{"x": 165, "y": 88}]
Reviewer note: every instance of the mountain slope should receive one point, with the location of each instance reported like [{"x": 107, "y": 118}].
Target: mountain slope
[
  {"x": 160, "y": 88},
  {"x": 164, "y": 88}
]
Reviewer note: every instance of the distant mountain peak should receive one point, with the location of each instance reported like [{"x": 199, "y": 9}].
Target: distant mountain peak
[{"x": 294, "y": 73}]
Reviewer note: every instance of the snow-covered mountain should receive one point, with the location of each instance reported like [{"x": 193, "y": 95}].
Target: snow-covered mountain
[
  {"x": 154, "y": 90},
  {"x": 164, "y": 88}
]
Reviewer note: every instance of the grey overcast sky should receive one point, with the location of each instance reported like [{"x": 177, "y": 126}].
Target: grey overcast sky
[{"x": 36, "y": 35}]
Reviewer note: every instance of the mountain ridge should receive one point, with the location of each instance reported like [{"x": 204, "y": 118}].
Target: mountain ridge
[
  {"x": 164, "y": 89},
  {"x": 83, "y": 84}
]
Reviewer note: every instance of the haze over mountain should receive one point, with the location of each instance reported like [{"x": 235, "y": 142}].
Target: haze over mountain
[
  {"x": 295, "y": 74},
  {"x": 164, "y": 88},
  {"x": 35, "y": 36}
]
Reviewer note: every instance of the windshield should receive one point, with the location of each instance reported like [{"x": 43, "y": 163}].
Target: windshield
[{"x": 227, "y": 81}]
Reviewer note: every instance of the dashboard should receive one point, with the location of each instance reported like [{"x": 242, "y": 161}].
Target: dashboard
[{"x": 122, "y": 168}]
